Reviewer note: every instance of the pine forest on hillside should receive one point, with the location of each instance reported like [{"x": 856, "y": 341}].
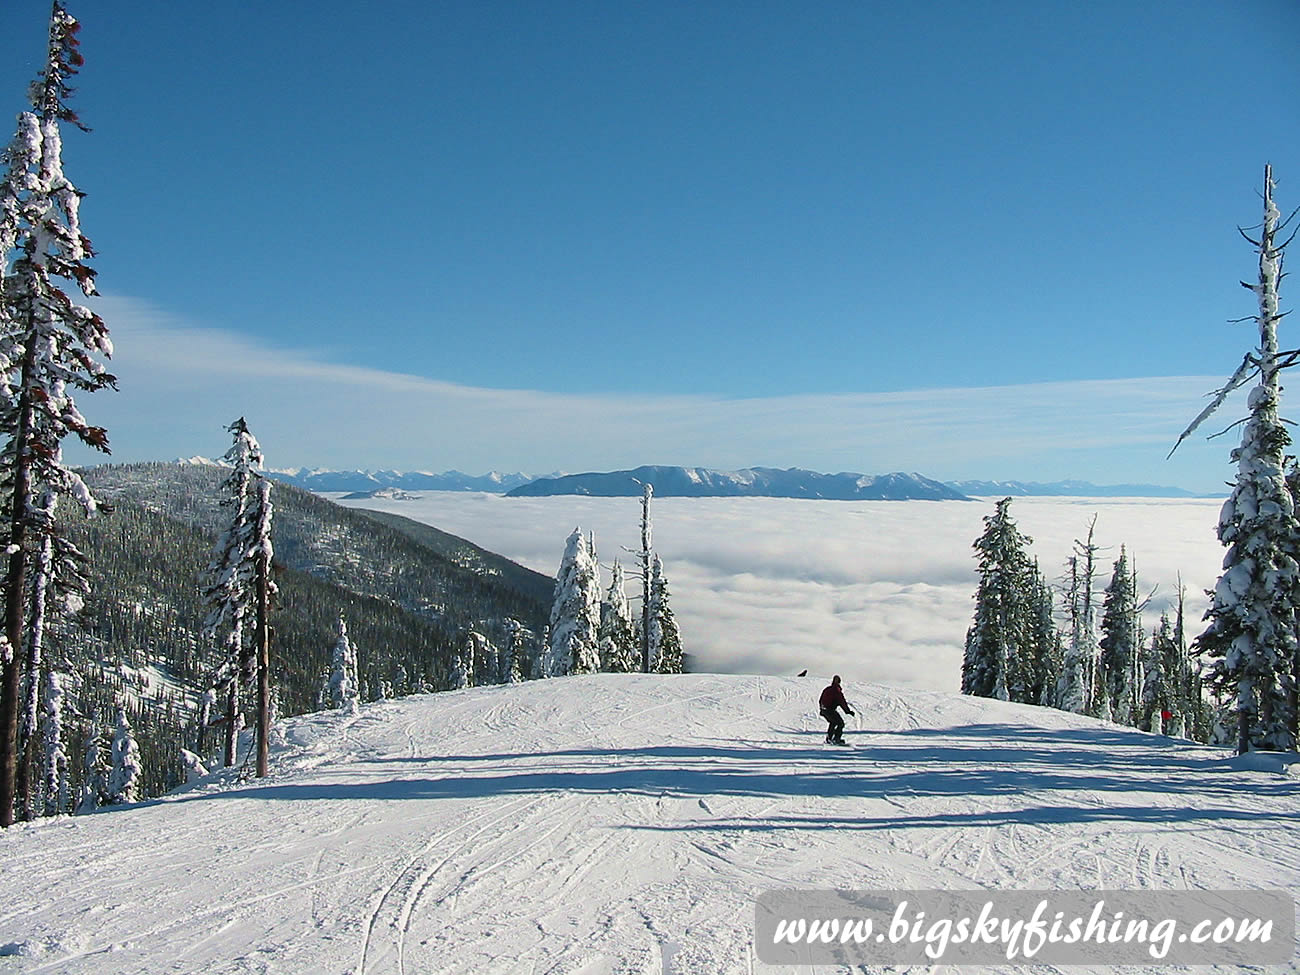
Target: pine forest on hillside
[
  {"x": 410, "y": 599},
  {"x": 139, "y": 638}
]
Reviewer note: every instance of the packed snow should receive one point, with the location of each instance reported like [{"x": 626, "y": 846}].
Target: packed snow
[{"x": 621, "y": 824}]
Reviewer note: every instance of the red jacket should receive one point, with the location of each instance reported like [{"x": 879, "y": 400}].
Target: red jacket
[{"x": 832, "y": 698}]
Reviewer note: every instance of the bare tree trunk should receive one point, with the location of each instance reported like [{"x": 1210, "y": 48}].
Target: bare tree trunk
[
  {"x": 1293, "y": 695},
  {"x": 1243, "y": 731},
  {"x": 35, "y": 639},
  {"x": 9, "y": 687},
  {"x": 644, "y": 555},
  {"x": 27, "y": 721},
  {"x": 232, "y": 707},
  {"x": 263, "y": 665},
  {"x": 1089, "y": 553},
  {"x": 201, "y": 738},
  {"x": 24, "y": 809},
  {"x": 14, "y": 582}
]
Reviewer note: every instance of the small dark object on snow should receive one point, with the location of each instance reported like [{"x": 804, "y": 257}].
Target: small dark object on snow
[
  {"x": 832, "y": 698},
  {"x": 802, "y": 673}
]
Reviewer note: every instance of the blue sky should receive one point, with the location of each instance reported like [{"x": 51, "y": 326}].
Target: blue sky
[{"x": 442, "y": 229}]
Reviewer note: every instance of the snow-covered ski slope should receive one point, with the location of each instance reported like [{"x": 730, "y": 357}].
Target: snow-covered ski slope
[{"x": 620, "y": 824}]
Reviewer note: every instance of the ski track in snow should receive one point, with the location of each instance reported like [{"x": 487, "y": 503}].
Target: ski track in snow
[{"x": 619, "y": 825}]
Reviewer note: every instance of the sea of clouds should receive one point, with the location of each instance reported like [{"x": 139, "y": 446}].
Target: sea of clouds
[{"x": 876, "y": 590}]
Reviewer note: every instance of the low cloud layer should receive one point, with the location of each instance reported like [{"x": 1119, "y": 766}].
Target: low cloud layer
[
  {"x": 181, "y": 385},
  {"x": 878, "y": 590}
]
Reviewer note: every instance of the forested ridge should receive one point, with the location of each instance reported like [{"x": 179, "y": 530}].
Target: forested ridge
[{"x": 410, "y": 595}]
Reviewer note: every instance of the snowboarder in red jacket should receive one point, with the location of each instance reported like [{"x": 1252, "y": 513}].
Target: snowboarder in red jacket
[{"x": 832, "y": 698}]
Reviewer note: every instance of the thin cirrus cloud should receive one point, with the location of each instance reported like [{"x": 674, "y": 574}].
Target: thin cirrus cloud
[{"x": 181, "y": 384}]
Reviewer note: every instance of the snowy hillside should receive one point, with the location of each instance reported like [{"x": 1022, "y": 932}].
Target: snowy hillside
[{"x": 620, "y": 824}]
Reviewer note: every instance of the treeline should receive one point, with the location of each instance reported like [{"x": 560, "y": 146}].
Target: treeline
[
  {"x": 1247, "y": 656},
  {"x": 1099, "y": 660}
]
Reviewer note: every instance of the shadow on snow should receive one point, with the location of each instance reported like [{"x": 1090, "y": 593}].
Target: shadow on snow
[{"x": 1049, "y": 773}]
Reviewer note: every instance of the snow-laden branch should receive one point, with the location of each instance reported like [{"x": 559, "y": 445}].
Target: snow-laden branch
[{"x": 1245, "y": 372}]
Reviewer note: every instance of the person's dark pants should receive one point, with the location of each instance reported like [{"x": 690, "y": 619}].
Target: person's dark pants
[{"x": 835, "y": 731}]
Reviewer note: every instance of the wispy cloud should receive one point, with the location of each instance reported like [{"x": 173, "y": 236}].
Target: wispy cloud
[{"x": 180, "y": 384}]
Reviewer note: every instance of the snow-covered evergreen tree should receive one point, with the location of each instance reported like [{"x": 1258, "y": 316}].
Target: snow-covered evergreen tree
[
  {"x": 575, "y": 615},
  {"x": 618, "y": 642},
  {"x": 514, "y": 656},
  {"x": 1002, "y": 618},
  {"x": 460, "y": 670},
  {"x": 1158, "y": 684},
  {"x": 124, "y": 775},
  {"x": 1029, "y": 674},
  {"x": 195, "y": 770},
  {"x": 38, "y": 583},
  {"x": 277, "y": 712},
  {"x": 1251, "y": 637},
  {"x": 55, "y": 757},
  {"x": 665, "y": 640},
  {"x": 1101, "y": 704},
  {"x": 94, "y": 774},
  {"x": 482, "y": 660},
  {"x": 644, "y": 557},
  {"x": 228, "y": 582},
  {"x": 50, "y": 348},
  {"x": 238, "y": 587},
  {"x": 56, "y": 586},
  {"x": 265, "y": 589},
  {"x": 462, "y": 666},
  {"x": 343, "y": 672},
  {"x": 1119, "y": 626},
  {"x": 1044, "y": 652},
  {"x": 543, "y": 654}
]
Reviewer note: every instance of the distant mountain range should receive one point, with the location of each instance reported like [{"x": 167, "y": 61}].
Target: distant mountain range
[
  {"x": 767, "y": 482},
  {"x": 367, "y": 481},
  {"x": 700, "y": 482},
  {"x": 1067, "y": 489}
]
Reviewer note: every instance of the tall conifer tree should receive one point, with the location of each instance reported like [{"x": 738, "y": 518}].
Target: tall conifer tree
[
  {"x": 1001, "y": 625},
  {"x": 124, "y": 774},
  {"x": 50, "y": 347},
  {"x": 1119, "y": 645},
  {"x": 238, "y": 588},
  {"x": 665, "y": 639},
  {"x": 618, "y": 642},
  {"x": 1251, "y": 637},
  {"x": 343, "y": 671},
  {"x": 575, "y": 614}
]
